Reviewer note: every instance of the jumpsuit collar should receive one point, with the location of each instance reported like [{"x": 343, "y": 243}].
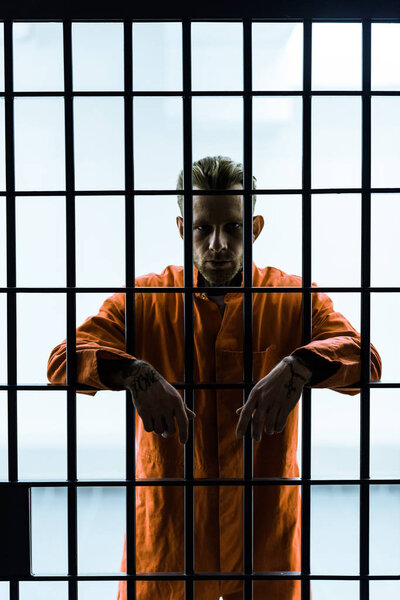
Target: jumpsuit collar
[{"x": 196, "y": 283}]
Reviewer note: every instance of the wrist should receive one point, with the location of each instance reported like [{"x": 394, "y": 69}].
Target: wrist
[{"x": 300, "y": 366}]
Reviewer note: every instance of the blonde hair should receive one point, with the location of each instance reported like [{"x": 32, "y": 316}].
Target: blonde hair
[{"x": 214, "y": 173}]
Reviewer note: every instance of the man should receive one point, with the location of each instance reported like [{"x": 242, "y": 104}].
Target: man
[{"x": 281, "y": 368}]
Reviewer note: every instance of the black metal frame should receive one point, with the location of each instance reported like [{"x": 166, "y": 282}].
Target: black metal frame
[{"x": 20, "y": 490}]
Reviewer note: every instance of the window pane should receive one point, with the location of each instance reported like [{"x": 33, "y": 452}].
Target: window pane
[
  {"x": 336, "y": 142},
  {"x": 38, "y": 57},
  {"x": 385, "y": 433},
  {"x": 277, "y": 142},
  {"x": 148, "y": 258},
  {"x": 333, "y": 263},
  {"x": 385, "y": 144},
  {"x": 43, "y": 590},
  {"x": 157, "y": 56},
  {"x": 101, "y": 435},
  {"x": 385, "y": 530},
  {"x": 385, "y": 56},
  {"x": 2, "y": 144},
  {"x": 49, "y": 529},
  {"x": 101, "y": 527},
  {"x": 100, "y": 241},
  {"x": 384, "y": 589},
  {"x": 3, "y": 243},
  {"x": 3, "y": 437},
  {"x": 282, "y": 221},
  {"x": 40, "y": 327},
  {"x": 42, "y": 435},
  {"x": 335, "y": 435},
  {"x": 336, "y": 56},
  {"x": 385, "y": 242},
  {"x": 217, "y": 56},
  {"x": 99, "y": 143},
  {"x": 1, "y": 57},
  {"x": 98, "y": 56},
  {"x": 332, "y": 590},
  {"x": 39, "y": 144},
  {"x": 158, "y": 142},
  {"x": 218, "y": 127},
  {"x": 385, "y": 330},
  {"x": 3, "y": 338},
  {"x": 277, "y": 56},
  {"x": 40, "y": 236},
  {"x": 99, "y": 590},
  {"x": 335, "y": 529}
]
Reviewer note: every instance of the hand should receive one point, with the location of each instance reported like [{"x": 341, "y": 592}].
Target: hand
[
  {"x": 158, "y": 403},
  {"x": 273, "y": 398}
]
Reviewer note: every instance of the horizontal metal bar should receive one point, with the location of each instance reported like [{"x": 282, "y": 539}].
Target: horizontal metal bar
[
  {"x": 161, "y": 192},
  {"x": 171, "y": 482},
  {"x": 181, "y": 94},
  {"x": 212, "y": 385},
  {"x": 204, "y": 576},
  {"x": 200, "y": 289}
]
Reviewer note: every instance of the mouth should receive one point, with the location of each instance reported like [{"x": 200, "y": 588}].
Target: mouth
[{"x": 219, "y": 264}]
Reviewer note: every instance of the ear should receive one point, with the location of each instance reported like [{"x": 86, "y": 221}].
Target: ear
[
  {"x": 258, "y": 224},
  {"x": 179, "y": 224}
]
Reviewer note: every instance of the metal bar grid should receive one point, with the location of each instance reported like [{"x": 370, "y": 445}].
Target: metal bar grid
[
  {"x": 306, "y": 312},
  {"x": 247, "y": 305},
  {"x": 365, "y": 308},
  {"x": 130, "y": 441},
  {"x": 188, "y": 306},
  {"x": 190, "y": 576},
  {"x": 71, "y": 318},
  {"x": 11, "y": 270}
]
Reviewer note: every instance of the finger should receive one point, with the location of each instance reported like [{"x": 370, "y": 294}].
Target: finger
[
  {"x": 270, "y": 422},
  {"x": 190, "y": 413},
  {"x": 257, "y": 424},
  {"x": 281, "y": 421},
  {"x": 158, "y": 424},
  {"x": 170, "y": 429},
  {"x": 183, "y": 423},
  {"x": 147, "y": 420},
  {"x": 245, "y": 417}
]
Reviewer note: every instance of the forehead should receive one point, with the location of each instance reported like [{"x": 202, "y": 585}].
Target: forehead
[{"x": 218, "y": 208}]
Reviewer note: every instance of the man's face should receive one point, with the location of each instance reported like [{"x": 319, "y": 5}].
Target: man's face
[{"x": 218, "y": 236}]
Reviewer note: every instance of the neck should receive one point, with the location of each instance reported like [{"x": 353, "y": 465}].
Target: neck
[{"x": 235, "y": 282}]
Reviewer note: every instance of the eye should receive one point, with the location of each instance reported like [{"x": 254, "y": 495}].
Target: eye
[
  {"x": 201, "y": 228},
  {"x": 234, "y": 226}
]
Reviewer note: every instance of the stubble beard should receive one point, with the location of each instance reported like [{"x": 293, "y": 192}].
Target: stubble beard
[{"x": 216, "y": 277}]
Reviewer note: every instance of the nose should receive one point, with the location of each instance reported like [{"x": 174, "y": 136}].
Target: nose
[{"x": 218, "y": 240}]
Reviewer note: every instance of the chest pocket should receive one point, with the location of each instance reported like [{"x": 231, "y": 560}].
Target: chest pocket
[{"x": 230, "y": 364}]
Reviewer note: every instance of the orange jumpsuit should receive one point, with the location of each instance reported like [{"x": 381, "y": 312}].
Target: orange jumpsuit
[{"x": 218, "y": 356}]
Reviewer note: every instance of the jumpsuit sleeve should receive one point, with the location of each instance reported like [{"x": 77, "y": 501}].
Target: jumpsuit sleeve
[
  {"x": 99, "y": 336},
  {"x": 334, "y": 352}
]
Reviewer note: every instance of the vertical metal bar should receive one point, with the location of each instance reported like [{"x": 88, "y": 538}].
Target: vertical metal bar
[
  {"x": 71, "y": 313},
  {"x": 306, "y": 311},
  {"x": 365, "y": 307},
  {"x": 129, "y": 310},
  {"x": 247, "y": 303},
  {"x": 11, "y": 268},
  {"x": 188, "y": 307}
]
